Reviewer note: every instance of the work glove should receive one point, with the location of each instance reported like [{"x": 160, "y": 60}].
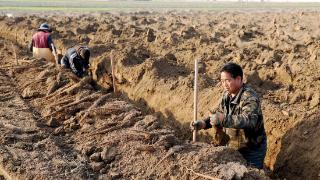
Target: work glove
[
  {"x": 217, "y": 119},
  {"x": 197, "y": 125},
  {"x": 220, "y": 138}
]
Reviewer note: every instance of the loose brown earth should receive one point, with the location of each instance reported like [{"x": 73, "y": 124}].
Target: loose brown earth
[{"x": 54, "y": 125}]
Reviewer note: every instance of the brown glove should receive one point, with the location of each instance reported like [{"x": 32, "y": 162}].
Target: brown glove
[{"x": 220, "y": 138}]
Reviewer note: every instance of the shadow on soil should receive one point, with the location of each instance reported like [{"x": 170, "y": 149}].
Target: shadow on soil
[
  {"x": 298, "y": 157},
  {"x": 182, "y": 130}
]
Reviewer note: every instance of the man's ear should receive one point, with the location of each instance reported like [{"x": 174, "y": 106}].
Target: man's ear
[{"x": 239, "y": 79}]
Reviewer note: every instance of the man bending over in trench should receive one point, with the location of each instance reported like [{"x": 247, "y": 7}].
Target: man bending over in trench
[
  {"x": 77, "y": 59},
  {"x": 240, "y": 116}
]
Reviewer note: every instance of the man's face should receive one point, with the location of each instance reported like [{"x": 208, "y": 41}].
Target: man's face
[{"x": 231, "y": 85}]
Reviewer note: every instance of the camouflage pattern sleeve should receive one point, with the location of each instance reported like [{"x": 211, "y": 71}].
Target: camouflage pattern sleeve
[
  {"x": 221, "y": 104},
  {"x": 219, "y": 109},
  {"x": 247, "y": 115},
  {"x": 72, "y": 61}
]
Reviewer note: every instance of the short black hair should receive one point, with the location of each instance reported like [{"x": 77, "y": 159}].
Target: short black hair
[
  {"x": 86, "y": 53},
  {"x": 234, "y": 69}
]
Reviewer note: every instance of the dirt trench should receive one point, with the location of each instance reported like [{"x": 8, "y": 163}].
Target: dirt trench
[
  {"x": 154, "y": 56},
  {"x": 57, "y": 126}
]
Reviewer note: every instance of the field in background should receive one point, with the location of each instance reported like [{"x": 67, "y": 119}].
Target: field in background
[{"x": 127, "y": 6}]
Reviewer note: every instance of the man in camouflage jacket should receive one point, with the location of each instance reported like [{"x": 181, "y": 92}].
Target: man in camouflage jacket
[
  {"x": 240, "y": 115},
  {"x": 77, "y": 59}
]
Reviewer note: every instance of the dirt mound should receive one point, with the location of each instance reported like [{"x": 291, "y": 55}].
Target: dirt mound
[{"x": 300, "y": 144}]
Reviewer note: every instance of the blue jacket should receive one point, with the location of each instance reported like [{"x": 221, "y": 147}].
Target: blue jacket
[{"x": 73, "y": 61}]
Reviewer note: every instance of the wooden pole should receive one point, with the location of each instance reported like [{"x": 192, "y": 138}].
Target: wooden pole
[
  {"x": 54, "y": 52},
  {"x": 195, "y": 99},
  {"x": 15, "y": 54},
  {"x": 112, "y": 72}
]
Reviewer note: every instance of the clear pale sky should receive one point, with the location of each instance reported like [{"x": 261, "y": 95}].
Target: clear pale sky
[{"x": 252, "y": 0}]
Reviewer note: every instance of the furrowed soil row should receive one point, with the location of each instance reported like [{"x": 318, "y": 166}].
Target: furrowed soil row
[
  {"x": 83, "y": 132},
  {"x": 153, "y": 55}
]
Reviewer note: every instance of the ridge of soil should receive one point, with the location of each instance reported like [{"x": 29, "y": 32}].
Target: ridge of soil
[
  {"x": 154, "y": 56},
  {"x": 56, "y": 126}
]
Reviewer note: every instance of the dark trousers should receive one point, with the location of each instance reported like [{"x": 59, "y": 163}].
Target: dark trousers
[{"x": 255, "y": 155}]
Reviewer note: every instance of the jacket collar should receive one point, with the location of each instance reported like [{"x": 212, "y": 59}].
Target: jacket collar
[{"x": 236, "y": 99}]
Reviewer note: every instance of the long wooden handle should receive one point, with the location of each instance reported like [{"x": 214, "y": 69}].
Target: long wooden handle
[
  {"x": 112, "y": 72},
  {"x": 195, "y": 99},
  {"x": 15, "y": 54},
  {"x": 54, "y": 52}
]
